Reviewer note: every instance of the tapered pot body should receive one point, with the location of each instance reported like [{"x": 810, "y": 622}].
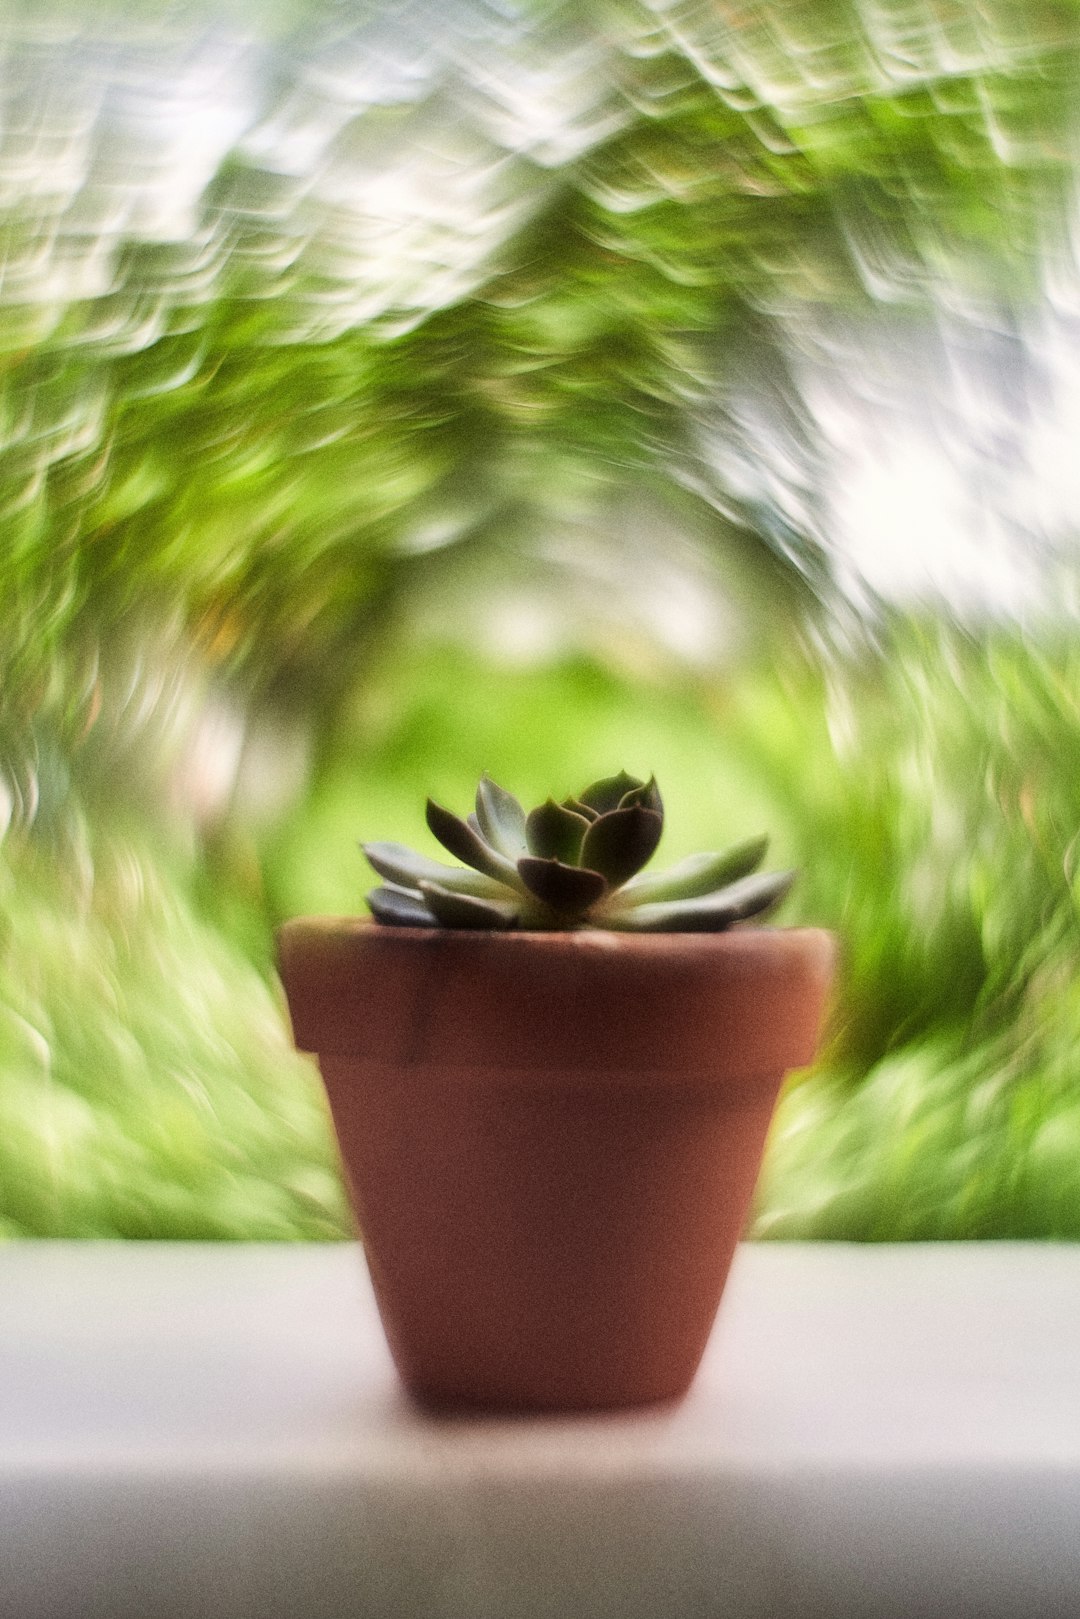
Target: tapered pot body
[{"x": 551, "y": 1140}]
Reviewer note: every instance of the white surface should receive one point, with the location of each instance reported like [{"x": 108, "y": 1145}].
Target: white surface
[{"x": 205, "y": 1431}]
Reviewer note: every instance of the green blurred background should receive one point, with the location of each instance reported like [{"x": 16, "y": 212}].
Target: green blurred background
[{"x": 390, "y": 393}]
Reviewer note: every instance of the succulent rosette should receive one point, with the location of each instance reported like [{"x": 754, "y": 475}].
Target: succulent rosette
[{"x": 573, "y": 864}]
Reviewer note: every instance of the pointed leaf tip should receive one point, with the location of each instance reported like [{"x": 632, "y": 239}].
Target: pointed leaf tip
[
  {"x": 647, "y": 795},
  {"x": 467, "y": 843},
  {"x": 698, "y": 874},
  {"x": 399, "y": 864},
  {"x": 501, "y": 818},
  {"x": 395, "y": 907},
  {"x": 606, "y": 794},
  {"x": 709, "y": 913}
]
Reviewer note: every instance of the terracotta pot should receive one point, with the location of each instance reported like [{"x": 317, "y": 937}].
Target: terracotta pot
[{"x": 551, "y": 1139}]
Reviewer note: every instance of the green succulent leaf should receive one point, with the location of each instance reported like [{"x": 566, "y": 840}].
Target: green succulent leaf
[
  {"x": 401, "y": 865},
  {"x": 555, "y": 833},
  {"x": 469, "y": 845},
  {"x": 619, "y": 842},
  {"x": 457, "y": 910},
  {"x": 607, "y": 793},
  {"x": 647, "y": 795},
  {"x": 568, "y": 865},
  {"x": 501, "y": 818},
  {"x": 696, "y": 875},
  {"x": 399, "y": 908},
  {"x": 709, "y": 913},
  {"x": 569, "y": 890}
]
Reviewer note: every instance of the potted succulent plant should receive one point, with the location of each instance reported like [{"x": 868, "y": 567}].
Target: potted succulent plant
[{"x": 551, "y": 1074}]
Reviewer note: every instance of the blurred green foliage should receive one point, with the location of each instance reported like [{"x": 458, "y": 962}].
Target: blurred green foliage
[
  {"x": 939, "y": 824},
  {"x": 148, "y": 1085},
  {"x": 931, "y": 799},
  {"x": 431, "y": 321}
]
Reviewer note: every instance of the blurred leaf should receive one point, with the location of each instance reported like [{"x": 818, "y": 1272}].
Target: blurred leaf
[
  {"x": 750, "y": 896},
  {"x": 568, "y": 890},
  {"x": 461, "y": 839},
  {"x": 408, "y": 869},
  {"x": 554, "y": 832},
  {"x": 696, "y": 875},
  {"x": 460, "y": 910},
  {"x": 501, "y": 817},
  {"x": 621, "y": 841}
]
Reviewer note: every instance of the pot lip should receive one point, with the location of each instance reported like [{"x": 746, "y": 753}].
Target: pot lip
[
  {"x": 352, "y": 985},
  {"x": 751, "y": 937}
]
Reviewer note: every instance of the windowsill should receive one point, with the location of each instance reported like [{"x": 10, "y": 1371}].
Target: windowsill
[{"x": 218, "y": 1431}]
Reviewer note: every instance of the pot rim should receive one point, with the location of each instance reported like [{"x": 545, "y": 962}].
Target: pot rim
[
  {"x": 735, "y": 936},
  {"x": 744, "y": 1000}
]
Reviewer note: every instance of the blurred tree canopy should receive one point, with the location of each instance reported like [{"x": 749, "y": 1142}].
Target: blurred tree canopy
[{"x": 292, "y": 322}]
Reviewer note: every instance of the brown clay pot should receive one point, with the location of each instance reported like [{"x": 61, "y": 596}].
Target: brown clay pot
[{"x": 551, "y": 1139}]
